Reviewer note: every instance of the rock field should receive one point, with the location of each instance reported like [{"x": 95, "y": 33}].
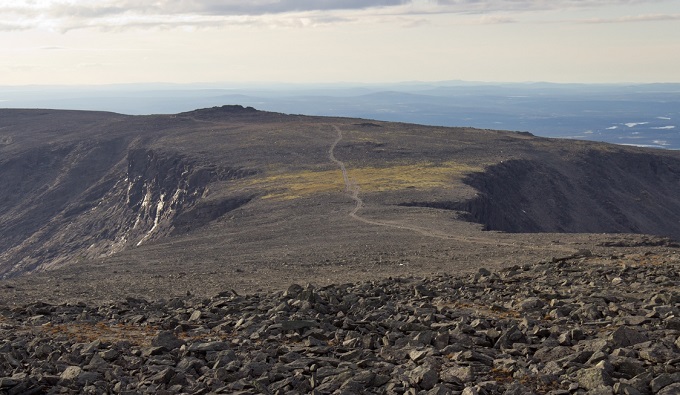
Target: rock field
[{"x": 582, "y": 324}]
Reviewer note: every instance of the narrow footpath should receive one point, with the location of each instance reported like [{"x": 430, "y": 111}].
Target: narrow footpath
[{"x": 353, "y": 190}]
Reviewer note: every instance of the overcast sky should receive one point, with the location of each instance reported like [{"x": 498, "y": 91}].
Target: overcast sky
[{"x": 184, "y": 41}]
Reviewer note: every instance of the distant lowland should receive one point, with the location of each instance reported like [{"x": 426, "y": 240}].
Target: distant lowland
[{"x": 644, "y": 115}]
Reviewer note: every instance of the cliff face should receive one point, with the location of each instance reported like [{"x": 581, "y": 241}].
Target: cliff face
[
  {"x": 596, "y": 192},
  {"x": 96, "y": 198}
]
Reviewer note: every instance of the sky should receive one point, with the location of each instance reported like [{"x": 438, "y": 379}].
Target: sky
[{"x": 84, "y": 42}]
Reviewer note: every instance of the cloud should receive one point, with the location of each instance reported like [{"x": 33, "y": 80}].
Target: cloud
[
  {"x": 106, "y": 8},
  {"x": 22, "y": 67},
  {"x": 6, "y": 26},
  {"x": 494, "y": 20},
  {"x": 413, "y": 22},
  {"x": 487, "y": 6},
  {"x": 259, "y": 7},
  {"x": 636, "y": 18},
  {"x": 64, "y": 15}
]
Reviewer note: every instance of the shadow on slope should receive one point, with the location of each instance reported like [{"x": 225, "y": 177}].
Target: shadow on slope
[{"x": 596, "y": 192}]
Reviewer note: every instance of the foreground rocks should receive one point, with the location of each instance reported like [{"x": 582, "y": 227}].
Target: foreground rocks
[{"x": 578, "y": 325}]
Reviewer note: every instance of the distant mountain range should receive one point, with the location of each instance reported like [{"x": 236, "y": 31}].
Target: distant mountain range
[{"x": 645, "y": 115}]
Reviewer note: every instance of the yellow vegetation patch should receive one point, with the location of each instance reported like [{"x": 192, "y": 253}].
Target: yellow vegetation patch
[
  {"x": 301, "y": 183},
  {"x": 420, "y": 176},
  {"x": 88, "y": 332},
  {"x": 140, "y": 335}
]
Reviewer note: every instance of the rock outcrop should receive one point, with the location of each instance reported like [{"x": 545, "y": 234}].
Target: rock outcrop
[{"x": 95, "y": 199}]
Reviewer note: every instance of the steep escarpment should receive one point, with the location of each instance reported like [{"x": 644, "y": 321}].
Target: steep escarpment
[
  {"x": 595, "y": 192},
  {"x": 161, "y": 190},
  {"x": 94, "y": 199}
]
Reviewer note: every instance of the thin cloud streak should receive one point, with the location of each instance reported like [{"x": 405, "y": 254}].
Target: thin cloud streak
[
  {"x": 61, "y": 15},
  {"x": 492, "y": 6},
  {"x": 635, "y": 18}
]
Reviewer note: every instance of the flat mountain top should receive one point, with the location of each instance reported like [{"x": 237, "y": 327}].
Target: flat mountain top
[{"x": 100, "y": 205}]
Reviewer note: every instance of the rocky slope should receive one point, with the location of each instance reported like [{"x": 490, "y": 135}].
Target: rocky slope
[
  {"x": 94, "y": 190},
  {"x": 101, "y": 200},
  {"x": 236, "y": 186},
  {"x": 581, "y": 324}
]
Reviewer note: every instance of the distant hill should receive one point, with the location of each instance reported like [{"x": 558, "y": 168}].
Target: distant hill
[
  {"x": 633, "y": 114},
  {"x": 232, "y": 189}
]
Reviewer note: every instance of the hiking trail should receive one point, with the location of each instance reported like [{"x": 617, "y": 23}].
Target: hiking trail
[{"x": 353, "y": 190}]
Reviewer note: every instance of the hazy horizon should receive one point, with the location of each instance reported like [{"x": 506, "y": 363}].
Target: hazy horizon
[
  {"x": 285, "y": 84},
  {"x": 637, "y": 114}
]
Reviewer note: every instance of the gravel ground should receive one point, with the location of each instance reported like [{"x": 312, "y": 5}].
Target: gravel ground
[{"x": 584, "y": 324}]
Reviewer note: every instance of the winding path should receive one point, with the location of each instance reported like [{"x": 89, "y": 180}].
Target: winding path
[{"x": 352, "y": 188}]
